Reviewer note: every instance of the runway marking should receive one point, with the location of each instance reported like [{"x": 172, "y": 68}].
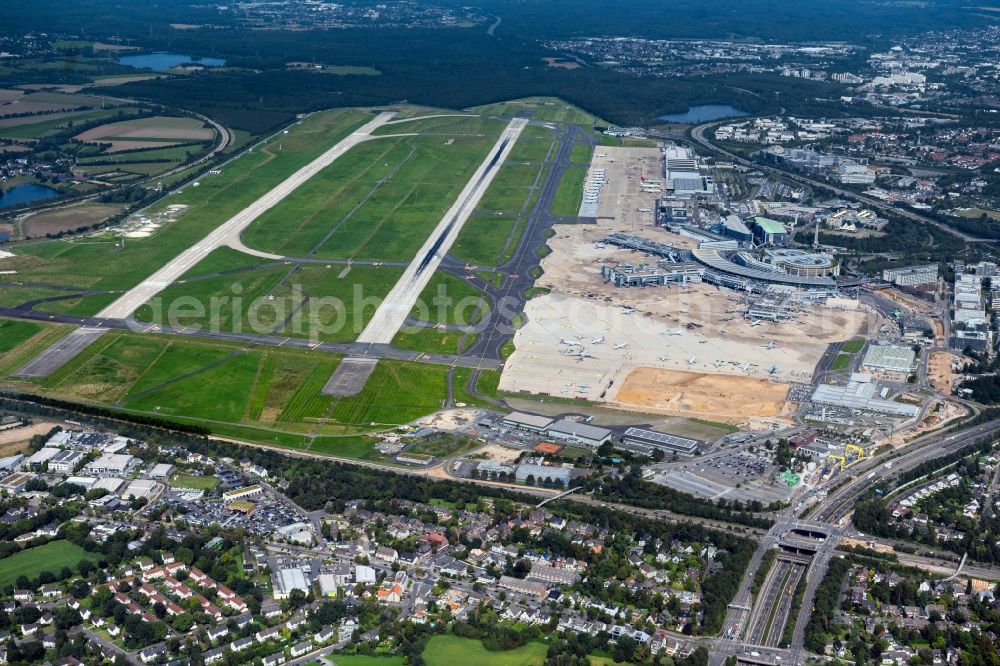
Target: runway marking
[
  {"x": 391, "y": 314},
  {"x": 229, "y": 231}
]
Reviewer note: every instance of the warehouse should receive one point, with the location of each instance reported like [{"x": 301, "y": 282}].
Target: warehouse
[
  {"x": 889, "y": 362},
  {"x": 529, "y": 422},
  {"x": 40, "y": 457},
  {"x": 643, "y": 441},
  {"x": 65, "y": 461},
  {"x": 542, "y": 474},
  {"x": 912, "y": 276},
  {"x": 859, "y": 395},
  {"x": 580, "y": 433},
  {"x": 112, "y": 464}
]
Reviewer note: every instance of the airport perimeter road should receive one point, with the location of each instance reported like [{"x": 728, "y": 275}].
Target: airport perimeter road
[
  {"x": 397, "y": 305},
  {"x": 230, "y": 230}
]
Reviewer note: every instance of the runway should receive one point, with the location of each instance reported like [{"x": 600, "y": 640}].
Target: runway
[
  {"x": 400, "y": 301},
  {"x": 229, "y": 232}
]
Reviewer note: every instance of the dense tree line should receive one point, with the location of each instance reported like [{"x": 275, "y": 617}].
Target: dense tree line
[
  {"x": 632, "y": 489},
  {"x": 825, "y": 604}
]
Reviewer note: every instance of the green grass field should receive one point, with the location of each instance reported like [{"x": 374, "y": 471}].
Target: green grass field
[
  {"x": 51, "y": 557},
  {"x": 566, "y": 202},
  {"x": 194, "y": 482},
  {"x": 852, "y": 346},
  {"x": 263, "y": 394},
  {"x": 542, "y": 108},
  {"x": 581, "y": 153},
  {"x": 97, "y": 261},
  {"x": 449, "y": 650},
  {"x": 380, "y": 201},
  {"x": 14, "y": 333},
  {"x": 365, "y": 660},
  {"x": 841, "y": 362}
]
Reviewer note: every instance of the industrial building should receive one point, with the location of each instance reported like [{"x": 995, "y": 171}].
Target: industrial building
[
  {"x": 65, "y": 462},
  {"x": 683, "y": 175},
  {"x": 889, "y": 362},
  {"x": 112, "y": 464},
  {"x": 860, "y": 395},
  {"x": 529, "y": 422},
  {"x": 912, "y": 276},
  {"x": 543, "y": 474},
  {"x": 971, "y": 325},
  {"x": 644, "y": 441},
  {"x": 291, "y": 579},
  {"x": 40, "y": 457},
  {"x": 580, "y": 433}
]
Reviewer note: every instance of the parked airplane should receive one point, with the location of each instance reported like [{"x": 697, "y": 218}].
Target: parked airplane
[
  {"x": 770, "y": 345},
  {"x": 627, "y": 309},
  {"x": 597, "y": 341},
  {"x": 569, "y": 341},
  {"x": 773, "y": 370},
  {"x": 663, "y": 358},
  {"x": 674, "y": 332},
  {"x": 692, "y": 360},
  {"x": 746, "y": 367},
  {"x": 755, "y": 322},
  {"x": 621, "y": 345},
  {"x": 718, "y": 362}
]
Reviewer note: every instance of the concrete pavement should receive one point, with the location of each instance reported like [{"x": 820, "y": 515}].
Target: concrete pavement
[{"x": 229, "y": 232}]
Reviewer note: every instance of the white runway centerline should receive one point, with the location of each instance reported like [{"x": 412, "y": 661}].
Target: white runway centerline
[
  {"x": 229, "y": 232},
  {"x": 397, "y": 305}
]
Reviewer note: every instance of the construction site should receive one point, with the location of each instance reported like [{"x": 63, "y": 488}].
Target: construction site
[{"x": 634, "y": 318}]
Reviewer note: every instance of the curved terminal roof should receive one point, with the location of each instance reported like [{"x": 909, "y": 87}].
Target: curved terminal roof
[{"x": 713, "y": 259}]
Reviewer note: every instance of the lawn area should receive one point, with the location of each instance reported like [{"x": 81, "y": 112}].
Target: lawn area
[
  {"x": 581, "y": 153},
  {"x": 551, "y": 109},
  {"x": 14, "y": 333},
  {"x": 365, "y": 660},
  {"x": 841, "y": 362},
  {"x": 444, "y": 446},
  {"x": 379, "y": 201},
  {"x": 566, "y": 203},
  {"x": 451, "y": 650},
  {"x": 194, "y": 482},
  {"x": 51, "y": 557},
  {"x": 852, "y": 346},
  {"x": 484, "y": 239}
]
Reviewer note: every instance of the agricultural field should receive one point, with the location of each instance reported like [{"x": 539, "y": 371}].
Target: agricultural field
[
  {"x": 377, "y": 203},
  {"x": 141, "y": 133},
  {"x": 52, "y": 557},
  {"x": 100, "y": 262},
  {"x": 54, "y": 220}
]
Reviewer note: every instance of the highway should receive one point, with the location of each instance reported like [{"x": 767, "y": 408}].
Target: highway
[
  {"x": 230, "y": 230},
  {"x": 398, "y": 304}
]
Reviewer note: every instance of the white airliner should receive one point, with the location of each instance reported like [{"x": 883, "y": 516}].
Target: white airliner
[
  {"x": 569, "y": 341},
  {"x": 755, "y": 322},
  {"x": 597, "y": 341},
  {"x": 718, "y": 362},
  {"x": 621, "y": 345},
  {"x": 692, "y": 360},
  {"x": 627, "y": 309},
  {"x": 676, "y": 331},
  {"x": 663, "y": 358},
  {"x": 770, "y": 345}
]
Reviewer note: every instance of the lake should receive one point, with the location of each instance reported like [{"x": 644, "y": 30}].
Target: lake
[
  {"x": 703, "y": 114},
  {"x": 26, "y": 194},
  {"x": 161, "y": 62}
]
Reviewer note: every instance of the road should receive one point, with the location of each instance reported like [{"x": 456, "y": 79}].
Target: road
[
  {"x": 698, "y": 136},
  {"x": 399, "y": 302},
  {"x": 230, "y": 230}
]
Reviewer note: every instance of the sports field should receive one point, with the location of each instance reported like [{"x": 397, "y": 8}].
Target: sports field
[{"x": 51, "y": 557}]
